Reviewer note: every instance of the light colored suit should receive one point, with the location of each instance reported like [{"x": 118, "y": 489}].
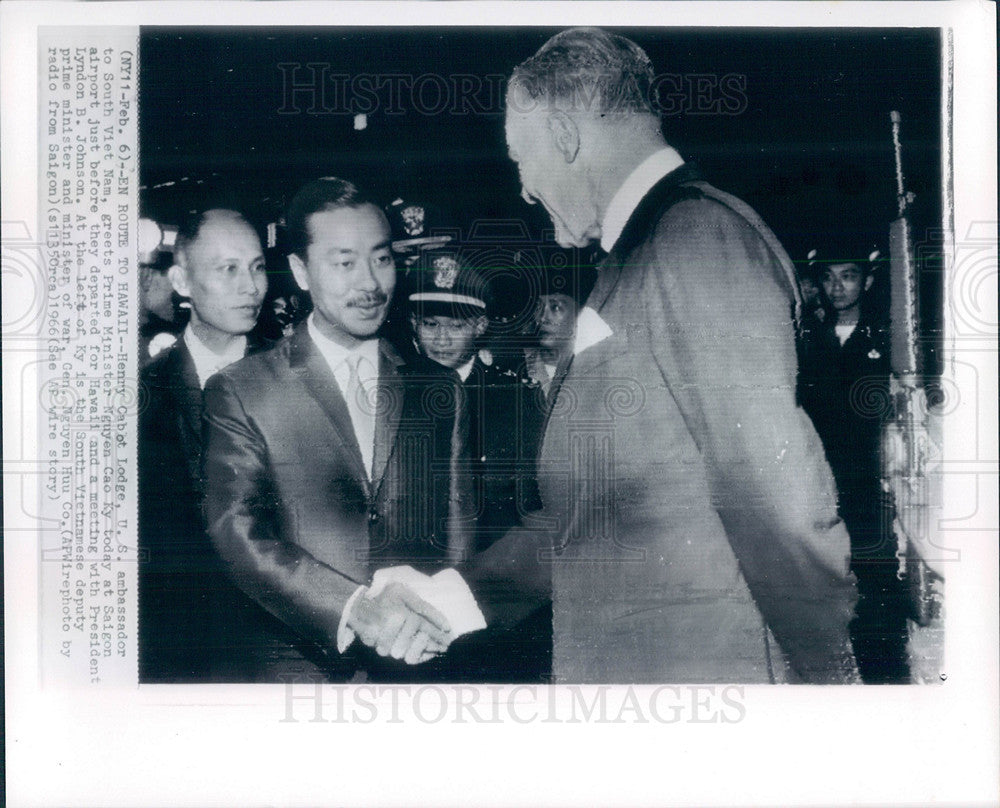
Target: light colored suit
[{"x": 687, "y": 495}]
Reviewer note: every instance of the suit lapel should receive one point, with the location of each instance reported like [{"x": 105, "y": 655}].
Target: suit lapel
[
  {"x": 184, "y": 383},
  {"x": 309, "y": 366},
  {"x": 389, "y": 408},
  {"x": 187, "y": 389},
  {"x": 609, "y": 272}
]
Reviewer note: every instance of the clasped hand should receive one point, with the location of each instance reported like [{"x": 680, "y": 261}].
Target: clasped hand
[
  {"x": 398, "y": 623},
  {"x": 414, "y": 617}
]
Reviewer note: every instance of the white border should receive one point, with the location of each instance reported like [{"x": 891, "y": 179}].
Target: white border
[{"x": 796, "y": 746}]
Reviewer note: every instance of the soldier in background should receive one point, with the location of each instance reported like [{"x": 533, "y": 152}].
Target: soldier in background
[
  {"x": 415, "y": 226},
  {"x": 844, "y": 386},
  {"x": 813, "y": 299},
  {"x": 449, "y": 301},
  {"x": 563, "y": 292}
]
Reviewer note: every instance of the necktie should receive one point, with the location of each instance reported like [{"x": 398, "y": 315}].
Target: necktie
[{"x": 361, "y": 407}]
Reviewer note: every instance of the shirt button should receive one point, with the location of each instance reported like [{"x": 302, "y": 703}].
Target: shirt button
[{"x": 373, "y": 516}]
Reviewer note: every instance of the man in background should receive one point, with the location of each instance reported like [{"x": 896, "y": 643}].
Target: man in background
[
  {"x": 562, "y": 295},
  {"x": 187, "y": 606},
  {"x": 449, "y": 302},
  {"x": 844, "y": 386}
]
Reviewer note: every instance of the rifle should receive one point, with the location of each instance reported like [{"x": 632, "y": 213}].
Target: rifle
[{"x": 908, "y": 451}]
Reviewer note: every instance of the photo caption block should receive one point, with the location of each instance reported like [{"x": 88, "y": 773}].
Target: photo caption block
[{"x": 88, "y": 390}]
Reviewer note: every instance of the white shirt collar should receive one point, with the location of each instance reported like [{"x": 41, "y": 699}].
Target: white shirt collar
[
  {"x": 464, "y": 370},
  {"x": 335, "y": 354},
  {"x": 206, "y": 361},
  {"x": 627, "y": 198},
  {"x": 844, "y": 332}
]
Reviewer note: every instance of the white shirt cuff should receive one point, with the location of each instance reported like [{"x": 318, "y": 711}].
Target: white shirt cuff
[
  {"x": 446, "y": 591},
  {"x": 345, "y": 636},
  {"x": 451, "y": 595}
]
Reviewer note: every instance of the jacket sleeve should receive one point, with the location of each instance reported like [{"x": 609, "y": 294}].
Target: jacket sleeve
[
  {"x": 719, "y": 309},
  {"x": 248, "y": 527},
  {"x": 512, "y": 577}
]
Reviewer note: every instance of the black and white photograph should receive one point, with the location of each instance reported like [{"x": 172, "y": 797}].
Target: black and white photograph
[
  {"x": 624, "y": 303},
  {"x": 419, "y": 403}
]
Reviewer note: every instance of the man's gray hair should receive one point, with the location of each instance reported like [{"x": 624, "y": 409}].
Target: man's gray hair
[{"x": 589, "y": 70}]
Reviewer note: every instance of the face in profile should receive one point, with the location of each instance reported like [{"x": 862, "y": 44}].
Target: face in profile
[
  {"x": 449, "y": 341},
  {"x": 844, "y": 284},
  {"x": 349, "y": 270},
  {"x": 556, "y": 319},
  {"x": 222, "y": 272},
  {"x": 547, "y": 177}
]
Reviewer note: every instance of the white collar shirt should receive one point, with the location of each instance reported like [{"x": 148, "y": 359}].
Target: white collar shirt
[
  {"x": 339, "y": 359},
  {"x": 627, "y": 198},
  {"x": 206, "y": 361},
  {"x": 463, "y": 371}
]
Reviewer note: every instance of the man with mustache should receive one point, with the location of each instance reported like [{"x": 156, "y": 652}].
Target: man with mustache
[
  {"x": 219, "y": 269},
  {"x": 316, "y": 461}
]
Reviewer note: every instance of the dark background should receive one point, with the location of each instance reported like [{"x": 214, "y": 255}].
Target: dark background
[{"x": 810, "y": 148}]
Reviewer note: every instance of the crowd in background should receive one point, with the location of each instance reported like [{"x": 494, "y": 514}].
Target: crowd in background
[{"x": 378, "y": 431}]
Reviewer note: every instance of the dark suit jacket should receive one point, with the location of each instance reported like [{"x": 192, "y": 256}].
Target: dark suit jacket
[
  {"x": 288, "y": 504},
  {"x": 188, "y": 609},
  {"x": 685, "y": 492},
  {"x": 505, "y": 422}
]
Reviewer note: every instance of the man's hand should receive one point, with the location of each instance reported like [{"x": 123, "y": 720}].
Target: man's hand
[{"x": 398, "y": 623}]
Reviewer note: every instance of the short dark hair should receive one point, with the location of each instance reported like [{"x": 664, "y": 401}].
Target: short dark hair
[
  {"x": 586, "y": 66},
  {"x": 191, "y": 225},
  {"x": 326, "y": 193}
]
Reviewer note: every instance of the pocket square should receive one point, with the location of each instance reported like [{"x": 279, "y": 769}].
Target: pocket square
[{"x": 590, "y": 330}]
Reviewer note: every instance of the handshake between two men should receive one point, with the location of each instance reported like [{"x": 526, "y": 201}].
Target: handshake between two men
[{"x": 410, "y": 616}]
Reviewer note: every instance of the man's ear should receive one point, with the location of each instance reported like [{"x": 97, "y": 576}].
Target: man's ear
[
  {"x": 179, "y": 280},
  {"x": 869, "y": 281},
  {"x": 298, "y": 267},
  {"x": 565, "y": 134},
  {"x": 482, "y": 323}
]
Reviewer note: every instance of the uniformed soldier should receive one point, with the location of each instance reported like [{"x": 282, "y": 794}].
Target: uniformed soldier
[
  {"x": 160, "y": 320},
  {"x": 844, "y": 387},
  {"x": 449, "y": 303}
]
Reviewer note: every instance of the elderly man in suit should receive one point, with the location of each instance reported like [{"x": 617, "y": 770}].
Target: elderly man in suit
[
  {"x": 692, "y": 532},
  {"x": 323, "y": 460},
  {"x": 187, "y": 607}
]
